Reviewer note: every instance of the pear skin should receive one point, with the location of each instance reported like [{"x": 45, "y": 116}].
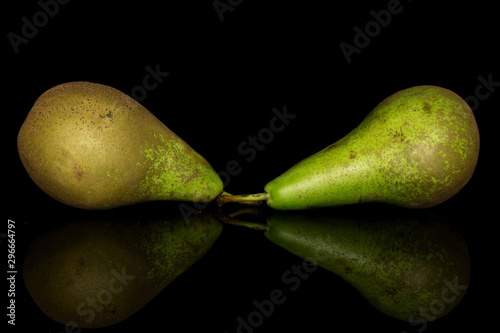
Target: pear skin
[
  {"x": 417, "y": 148},
  {"x": 91, "y": 146},
  {"x": 415, "y": 269},
  {"x": 96, "y": 272}
]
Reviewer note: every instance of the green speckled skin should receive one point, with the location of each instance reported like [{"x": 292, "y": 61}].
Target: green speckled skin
[
  {"x": 400, "y": 266},
  {"x": 91, "y": 146},
  {"x": 417, "y": 148},
  {"x": 118, "y": 265}
]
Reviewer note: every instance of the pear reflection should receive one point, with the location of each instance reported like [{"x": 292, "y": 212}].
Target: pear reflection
[
  {"x": 94, "y": 272},
  {"x": 410, "y": 267}
]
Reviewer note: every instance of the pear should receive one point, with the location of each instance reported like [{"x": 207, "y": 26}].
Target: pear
[
  {"x": 417, "y": 148},
  {"x": 91, "y": 146},
  {"x": 412, "y": 268},
  {"x": 96, "y": 272}
]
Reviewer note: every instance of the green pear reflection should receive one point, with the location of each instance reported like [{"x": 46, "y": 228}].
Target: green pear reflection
[
  {"x": 411, "y": 268},
  {"x": 95, "y": 273}
]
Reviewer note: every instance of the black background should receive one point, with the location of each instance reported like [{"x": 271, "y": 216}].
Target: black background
[{"x": 225, "y": 78}]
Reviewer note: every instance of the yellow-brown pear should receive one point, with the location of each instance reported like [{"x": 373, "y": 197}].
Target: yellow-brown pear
[{"x": 91, "y": 146}]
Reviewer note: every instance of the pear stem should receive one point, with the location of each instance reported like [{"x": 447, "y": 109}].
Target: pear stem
[{"x": 245, "y": 199}]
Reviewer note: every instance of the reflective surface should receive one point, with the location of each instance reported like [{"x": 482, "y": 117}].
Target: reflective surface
[
  {"x": 96, "y": 272},
  {"x": 244, "y": 281}
]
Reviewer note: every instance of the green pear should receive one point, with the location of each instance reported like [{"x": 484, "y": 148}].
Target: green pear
[
  {"x": 417, "y": 148},
  {"x": 97, "y": 272},
  {"x": 411, "y": 268},
  {"x": 91, "y": 146}
]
